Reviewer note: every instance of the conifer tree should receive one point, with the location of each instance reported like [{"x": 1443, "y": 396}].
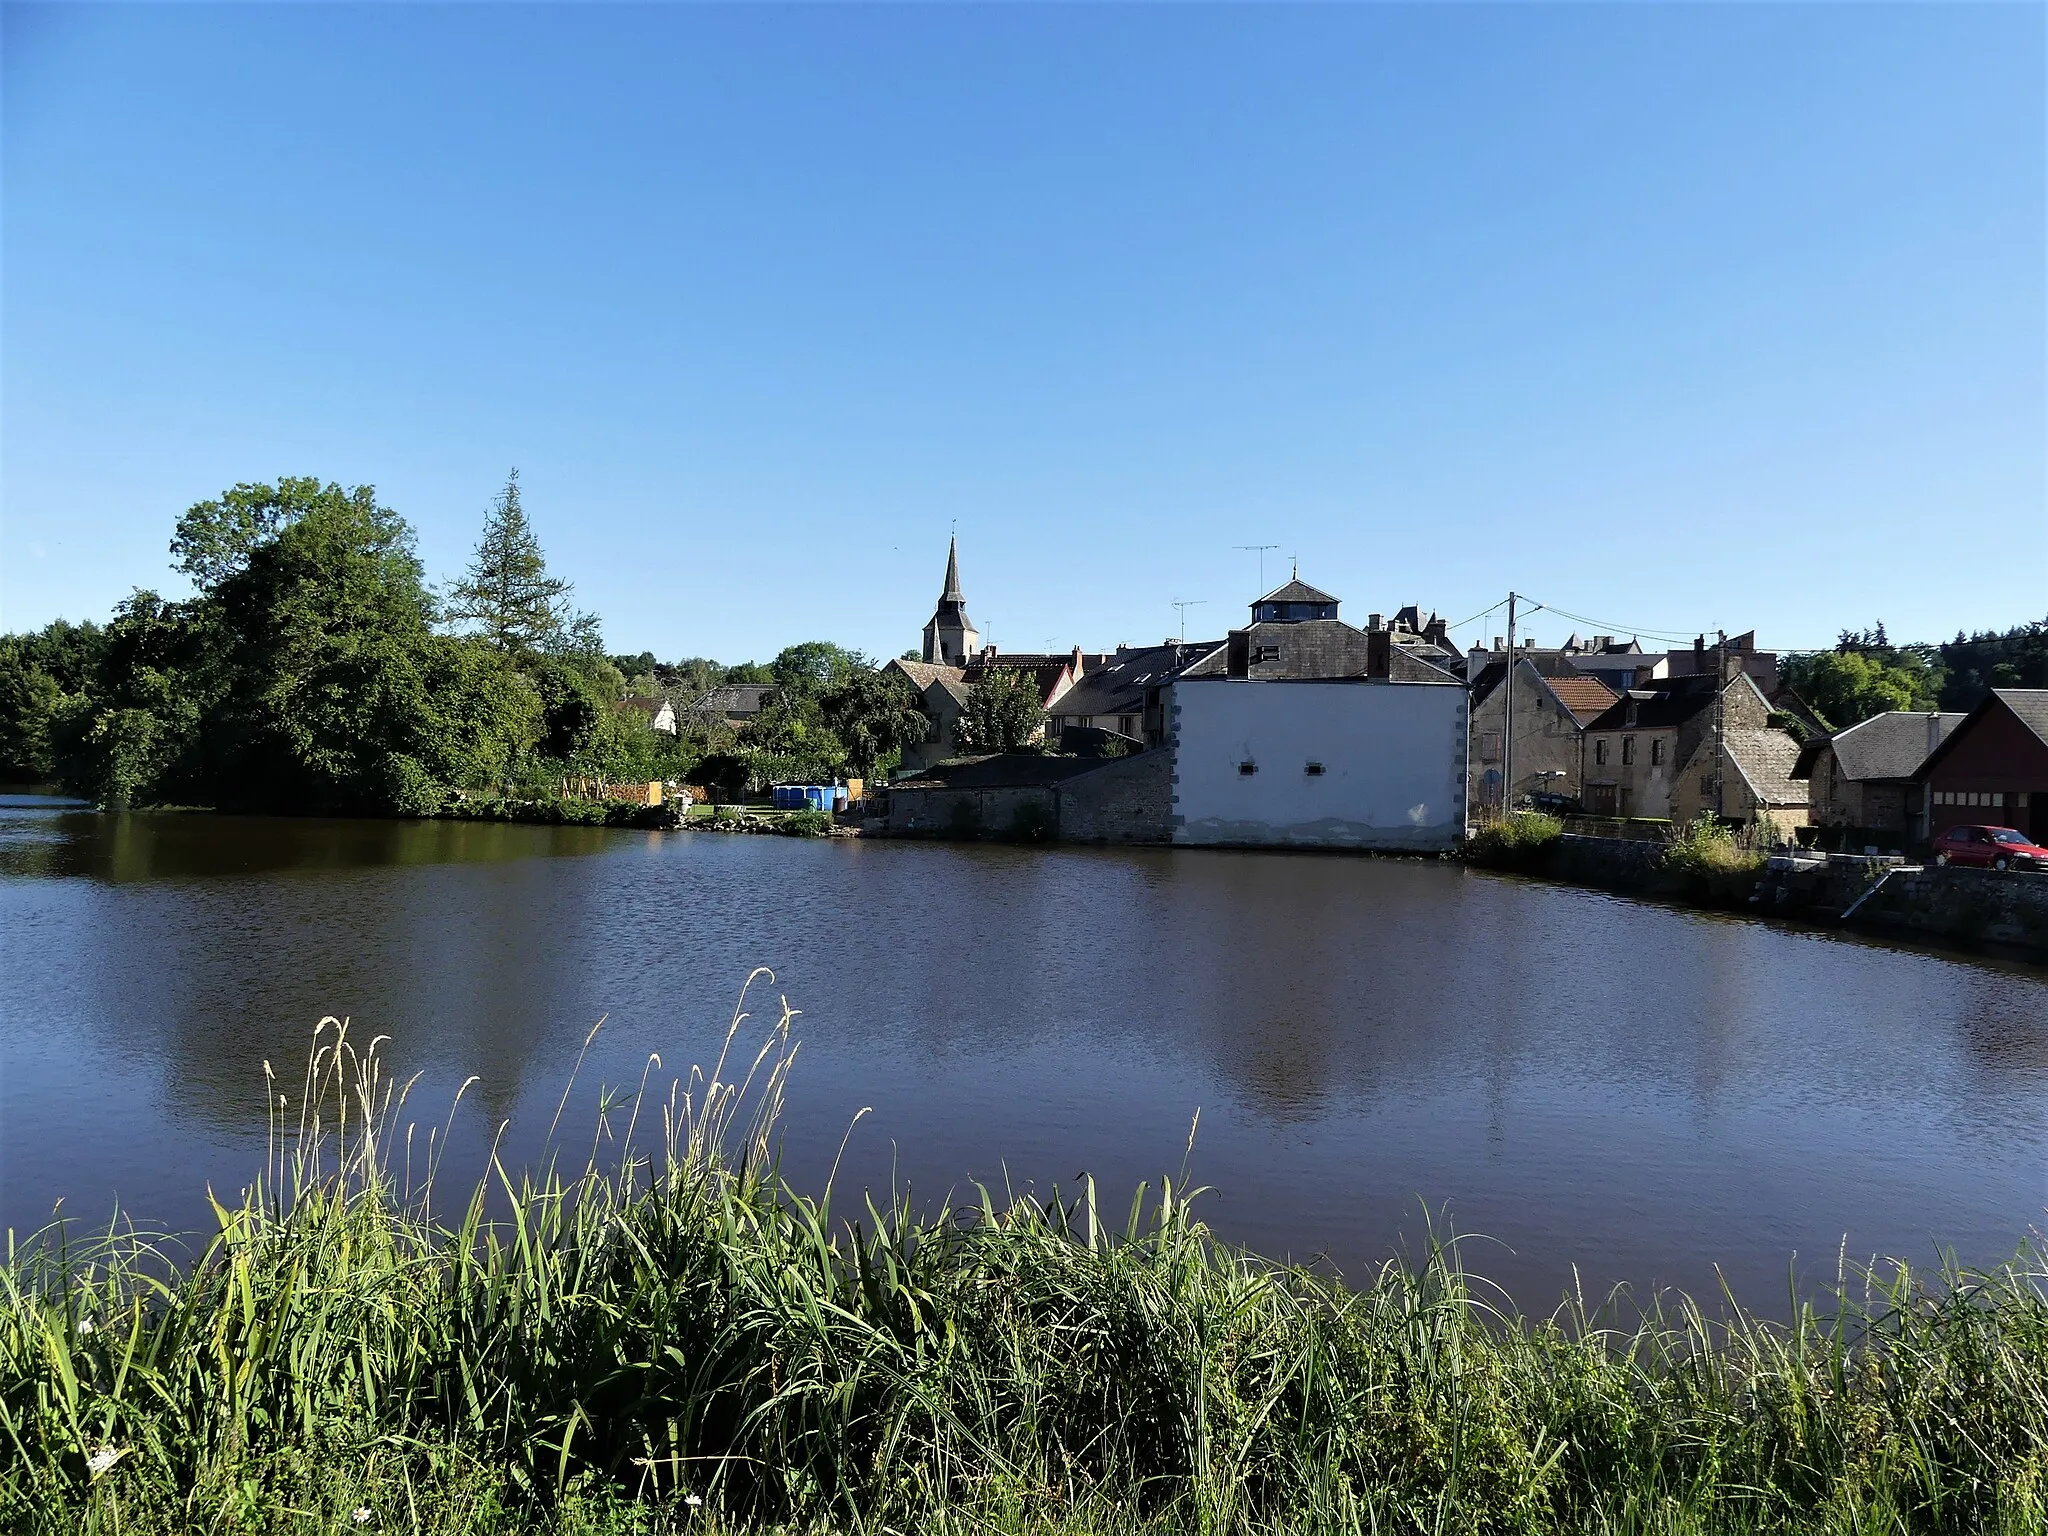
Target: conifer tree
[{"x": 507, "y": 592}]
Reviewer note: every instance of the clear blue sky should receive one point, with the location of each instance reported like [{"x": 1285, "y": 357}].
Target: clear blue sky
[{"x": 1675, "y": 317}]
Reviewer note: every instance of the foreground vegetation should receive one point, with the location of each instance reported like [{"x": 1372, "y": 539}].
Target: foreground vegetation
[{"x": 685, "y": 1343}]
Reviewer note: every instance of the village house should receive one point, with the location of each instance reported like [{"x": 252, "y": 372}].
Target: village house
[
  {"x": 1553, "y": 704},
  {"x": 1120, "y": 692},
  {"x": 1295, "y": 635},
  {"x": 659, "y": 714},
  {"x": 1682, "y": 746},
  {"x": 1631, "y": 751},
  {"x": 1991, "y": 768},
  {"x": 1860, "y": 779},
  {"x": 1743, "y": 772}
]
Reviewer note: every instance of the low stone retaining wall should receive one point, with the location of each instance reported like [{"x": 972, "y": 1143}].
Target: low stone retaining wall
[
  {"x": 1876, "y": 895},
  {"x": 1971, "y": 906}
]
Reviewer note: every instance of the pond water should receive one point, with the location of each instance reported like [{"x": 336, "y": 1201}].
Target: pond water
[{"x": 1599, "y": 1090}]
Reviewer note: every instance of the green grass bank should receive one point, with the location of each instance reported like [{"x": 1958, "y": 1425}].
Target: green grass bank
[{"x": 672, "y": 1339}]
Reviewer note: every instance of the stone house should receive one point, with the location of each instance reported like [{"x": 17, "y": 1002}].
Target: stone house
[
  {"x": 1632, "y": 750},
  {"x": 1742, "y": 772},
  {"x": 1861, "y": 777},
  {"x": 1652, "y": 752},
  {"x": 1991, "y": 769},
  {"x": 1553, "y": 705}
]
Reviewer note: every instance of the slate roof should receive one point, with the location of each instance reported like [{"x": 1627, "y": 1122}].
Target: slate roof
[
  {"x": 1673, "y": 702},
  {"x": 736, "y": 700},
  {"x": 2031, "y": 705},
  {"x": 1764, "y": 759},
  {"x": 1297, "y": 591},
  {"x": 923, "y": 674},
  {"x": 1118, "y": 686},
  {"x": 1004, "y": 770},
  {"x": 2028, "y": 705},
  {"x": 1892, "y": 745},
  {"x": 1309, "y": 648},
  {"x": 1420, "y": 664}
]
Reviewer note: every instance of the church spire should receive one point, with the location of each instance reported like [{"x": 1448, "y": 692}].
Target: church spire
[
  {"x": 950, "y": 639},
  {"x": 952, "y": 594}
]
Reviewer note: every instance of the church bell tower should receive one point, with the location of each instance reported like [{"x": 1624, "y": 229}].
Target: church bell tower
[{"x": 950, "y": 638}]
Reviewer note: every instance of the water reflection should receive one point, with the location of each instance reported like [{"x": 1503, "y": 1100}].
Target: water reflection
[{"x": 1645, "y": 1092}]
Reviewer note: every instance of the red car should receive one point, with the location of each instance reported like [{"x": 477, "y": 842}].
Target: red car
[{"x": 1990, "y": 848}]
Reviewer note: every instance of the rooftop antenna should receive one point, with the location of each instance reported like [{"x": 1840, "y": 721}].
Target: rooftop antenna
[
  {"x": 1182, "y": 608},
  {"x": 1261, "y": 549}
]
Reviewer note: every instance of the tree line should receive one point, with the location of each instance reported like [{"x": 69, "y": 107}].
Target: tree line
[
  {"x": 1866, "y": 674},
  {"x": 314, "y": 670}
]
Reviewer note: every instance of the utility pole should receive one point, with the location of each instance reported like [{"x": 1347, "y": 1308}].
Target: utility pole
[
  {"x": 1507, "y": 735},
  {"x": 1182, "y": 609},
  {"x": 1261, "y": 551},
  {"x": 1720, "y": 736}
]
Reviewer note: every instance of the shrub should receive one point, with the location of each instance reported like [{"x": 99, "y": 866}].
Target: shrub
[
  {"x": 1707, "y": 848},
  {"x": 1518, "y": 839},
  {"x": 805, "y": 824}
]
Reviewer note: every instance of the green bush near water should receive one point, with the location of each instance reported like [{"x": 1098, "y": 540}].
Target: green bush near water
[
  {"x": 687, "y": 1344},
  {"x": 1514, "y": 841},
  {"x": 805, "y": 824},
  {"x": 1710, "y": 851}
]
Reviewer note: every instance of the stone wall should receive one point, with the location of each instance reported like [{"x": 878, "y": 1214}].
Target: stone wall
[
  {"x": 1126, "y": 800},
  {"x": 1972, "y": 906},
  {"x": 1878, "y": 895},
  {"x": 1024, "y": 810}
]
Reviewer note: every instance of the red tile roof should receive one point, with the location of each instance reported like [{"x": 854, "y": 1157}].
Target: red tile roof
[{"x": 1585, "y": 697}]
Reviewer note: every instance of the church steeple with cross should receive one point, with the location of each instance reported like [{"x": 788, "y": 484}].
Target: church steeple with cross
[{"x": 950, "y": 638}]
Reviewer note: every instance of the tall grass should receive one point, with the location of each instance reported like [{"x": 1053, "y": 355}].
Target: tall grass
[{"x": 670, "y": 1337}]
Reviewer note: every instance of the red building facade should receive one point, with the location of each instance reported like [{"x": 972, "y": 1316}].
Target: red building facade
[{"x": 1992, "y": 769}]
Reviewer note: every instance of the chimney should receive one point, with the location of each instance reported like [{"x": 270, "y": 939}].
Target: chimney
[
  {"x": 1379, "y": 653},
  {"x": 1374, "y": 621},
  {"x": 1238, "y": 661},
  {"x": 1499, "y": 643},
  {"x": 1933, "y": 732},
  {"x": 1436, "y": 631},
  {"x": 1078, "y": 664},
  {"x": 1699, "y": 645}
]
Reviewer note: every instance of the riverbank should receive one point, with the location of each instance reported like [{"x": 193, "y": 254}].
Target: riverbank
[
  {"x": 689, "y": 1343},
  {"x": 1966, "y": 908}
]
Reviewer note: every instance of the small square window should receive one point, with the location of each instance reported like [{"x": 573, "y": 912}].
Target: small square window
[
  {"x": 1247, "y": 768},
  {"x": 1313, "y": 770}
]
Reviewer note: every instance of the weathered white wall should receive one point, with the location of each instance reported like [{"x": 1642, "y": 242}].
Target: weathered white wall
[{"x": 1393, "y": 757}]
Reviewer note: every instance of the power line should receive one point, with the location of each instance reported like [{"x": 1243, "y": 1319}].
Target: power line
[
  {"x": 1479, "y": 615},
  {"x": 1613, "y": 628}
]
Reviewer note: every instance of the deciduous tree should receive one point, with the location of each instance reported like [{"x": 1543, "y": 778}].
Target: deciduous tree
[{"x": 1001, "y": 714}]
